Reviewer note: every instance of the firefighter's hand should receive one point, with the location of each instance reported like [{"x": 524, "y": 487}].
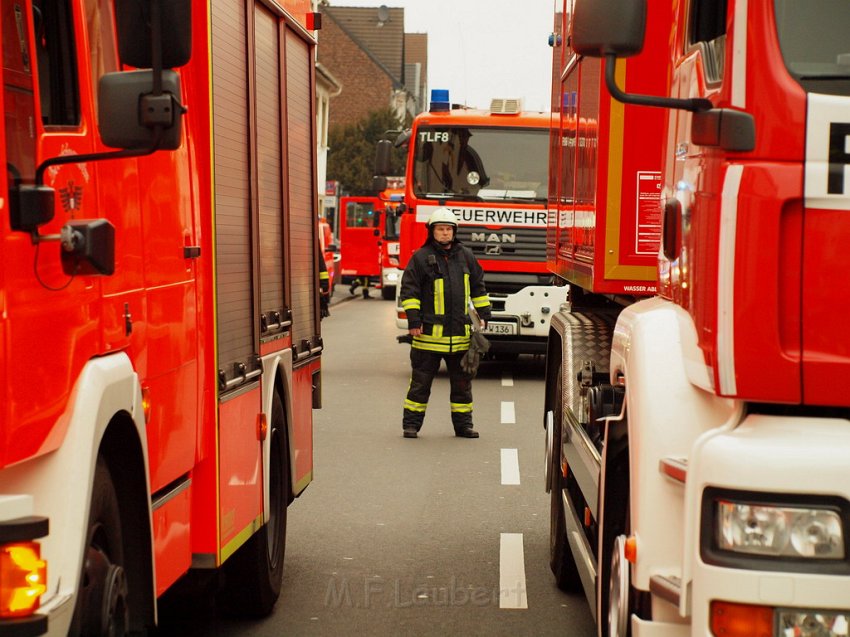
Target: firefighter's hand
[
  {"x": 415, "y": 331},
  {"x": 483, "y": 325},
  {"x": 324, "y": 310}
]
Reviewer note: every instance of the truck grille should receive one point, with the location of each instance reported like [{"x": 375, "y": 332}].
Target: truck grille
[{"x": 506, "y": 244}]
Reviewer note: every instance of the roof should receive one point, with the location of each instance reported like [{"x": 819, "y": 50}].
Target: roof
[{"x": 383, "y": 41}]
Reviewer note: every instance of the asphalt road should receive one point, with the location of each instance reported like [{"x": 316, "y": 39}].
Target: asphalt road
[{"x": 431, "y": 536}]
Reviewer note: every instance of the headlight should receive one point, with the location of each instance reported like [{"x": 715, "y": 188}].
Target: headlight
[
  {"x": 813, "y": 623},
  {"x": 779, "y": 531}
]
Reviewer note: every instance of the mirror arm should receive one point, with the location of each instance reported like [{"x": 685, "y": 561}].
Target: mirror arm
[
  {"x": 694, "y": 104},
  {"x": 156, "y": 46},
  {"x": 81, "y": 159}
]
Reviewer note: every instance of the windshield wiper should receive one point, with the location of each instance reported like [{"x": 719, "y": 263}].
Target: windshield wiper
[{"x": 452, "y": 195}]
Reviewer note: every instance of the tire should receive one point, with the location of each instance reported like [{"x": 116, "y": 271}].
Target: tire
[
  {"x": 102, "y": 607},
  {"x": 254, "y": 574},
  {"x": 560, "y": 557},
  {"x": 613, "y": 567},
  {"x": 388, "y": 293}
]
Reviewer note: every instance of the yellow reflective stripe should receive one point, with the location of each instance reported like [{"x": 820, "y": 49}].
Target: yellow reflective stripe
[
  {"x": 439, "y": 301},
  {"x": 430, "y": 338},
  {"x": 445, "y": 348},
  {"x": 412, "y": 406},
  {"x": 465, "y": 290},
  {"x": 432, "y": 347},
  {"x": 480, "y": 301},
  {"x": 439, "y": 305},
  {"x": 461, "y": 408},
  {"x": 411, "y": 304},
  {"x": 324, "y": 275}
]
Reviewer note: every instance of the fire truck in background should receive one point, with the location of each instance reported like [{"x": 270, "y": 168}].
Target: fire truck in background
[
  {"x": 696, "y": 441},
  {"x": 394, "y": 207},
  {"x": 369, "y": 239},
  {"x": 490, "y": 169},
  {"x": 159, "y": 319}
]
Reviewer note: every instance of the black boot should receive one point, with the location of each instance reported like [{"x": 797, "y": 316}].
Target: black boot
[
  {"x": 353, "y": 287},
  {"x": 411, "y": 423},
  {"x": 466, "y": 432}
]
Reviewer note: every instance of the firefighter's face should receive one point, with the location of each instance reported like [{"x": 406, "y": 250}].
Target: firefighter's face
[{"x": 443, "y": 233}]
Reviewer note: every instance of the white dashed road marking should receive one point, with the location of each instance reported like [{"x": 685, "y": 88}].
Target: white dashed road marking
[
  {"x": 512, "y": 593},
  {"x": 508, "y": 414},
  {"x": 510, "y": 466},
  {"x": 507, "y": 380}
]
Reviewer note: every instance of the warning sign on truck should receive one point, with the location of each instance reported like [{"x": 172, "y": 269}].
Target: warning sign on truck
[{"x": 648, "y": 211}]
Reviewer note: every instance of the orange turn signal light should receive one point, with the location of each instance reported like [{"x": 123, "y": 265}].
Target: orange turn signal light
[
  {"x": 630, "y": 549},
  {"x": 23, "y": 579},
  {"x": 741, "y": 620}
]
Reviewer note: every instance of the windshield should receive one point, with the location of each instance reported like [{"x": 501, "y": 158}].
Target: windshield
[
  {"x": 815, "y": 38},
  {"x": 481, "y": 164}
]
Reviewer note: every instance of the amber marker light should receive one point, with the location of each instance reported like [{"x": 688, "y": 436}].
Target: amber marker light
[
  {"x": 741, "y": 620},
  {"x": 146, "y": 403},
  {"x": 23, "y": 579},
  {"x": 262, "y": 427}
]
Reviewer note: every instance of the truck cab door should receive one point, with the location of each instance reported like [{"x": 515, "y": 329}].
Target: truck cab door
[{"x": 360, "y": 240}]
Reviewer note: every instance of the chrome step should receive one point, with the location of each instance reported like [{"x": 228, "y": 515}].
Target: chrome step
[{"x": 667, "y": 587}]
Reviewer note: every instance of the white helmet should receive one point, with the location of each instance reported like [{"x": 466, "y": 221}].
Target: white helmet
[{"x": 443, "y": 215}]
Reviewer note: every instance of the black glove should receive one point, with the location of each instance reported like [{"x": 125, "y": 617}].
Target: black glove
[{"x": 324, "y": 310}]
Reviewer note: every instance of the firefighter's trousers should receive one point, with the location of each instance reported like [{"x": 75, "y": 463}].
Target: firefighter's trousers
[{"x": 425, "y": 366}]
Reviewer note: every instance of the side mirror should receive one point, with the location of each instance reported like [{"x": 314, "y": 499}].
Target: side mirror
[
  {"x": 121, "y": 111},
  {"x": 615, "y": 28},
  {"x": 379, "y": 183},
  {"x": 88, "y": 247},
  {"x": 383, "y": 155},
  {"x": 608, "y": 27},
  {"x": 134, "y": 19},
  {"x": 403, "y": 139}
]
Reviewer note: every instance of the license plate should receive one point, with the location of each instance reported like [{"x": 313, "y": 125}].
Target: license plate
[{"x": 501, "y": 329}]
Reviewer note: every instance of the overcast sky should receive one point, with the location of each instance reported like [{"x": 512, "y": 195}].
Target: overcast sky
[{"x": 481, "y": 49}]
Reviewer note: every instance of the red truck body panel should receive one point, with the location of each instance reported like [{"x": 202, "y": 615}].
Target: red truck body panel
[{"x": 604, "y": 218}]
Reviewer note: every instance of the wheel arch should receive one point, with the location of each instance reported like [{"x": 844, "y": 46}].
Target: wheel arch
[
  {"x": 124, "y": 454},
  {"x": 277, "y": 378},
  {"x": 106, "y": 393}
]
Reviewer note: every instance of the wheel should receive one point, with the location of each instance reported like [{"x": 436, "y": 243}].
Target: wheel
[
  {"x": 619, "y": 610},
  {"x": 253, "y": 575},
  {"x": 560, "y": 557},
  {"x": 102, "y": 608},
  {"x": 388, "y": 293}
]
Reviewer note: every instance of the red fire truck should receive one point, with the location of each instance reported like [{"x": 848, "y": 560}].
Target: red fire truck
[
  {"x": 369, "y": 239},
  {"x": 490, "y": 169},
  {"x": 696, "y": 440},
  {"x": 159, "y": 323}
]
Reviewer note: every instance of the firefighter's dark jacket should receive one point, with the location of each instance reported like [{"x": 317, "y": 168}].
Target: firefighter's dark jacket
[{"x": 436, "y": 288}]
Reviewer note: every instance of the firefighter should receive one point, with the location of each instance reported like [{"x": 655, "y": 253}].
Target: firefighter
[
  {"x": 360, "y": 281},
  {"x": 324, "y": 288},
  {"x": 440, "y": 280}
]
